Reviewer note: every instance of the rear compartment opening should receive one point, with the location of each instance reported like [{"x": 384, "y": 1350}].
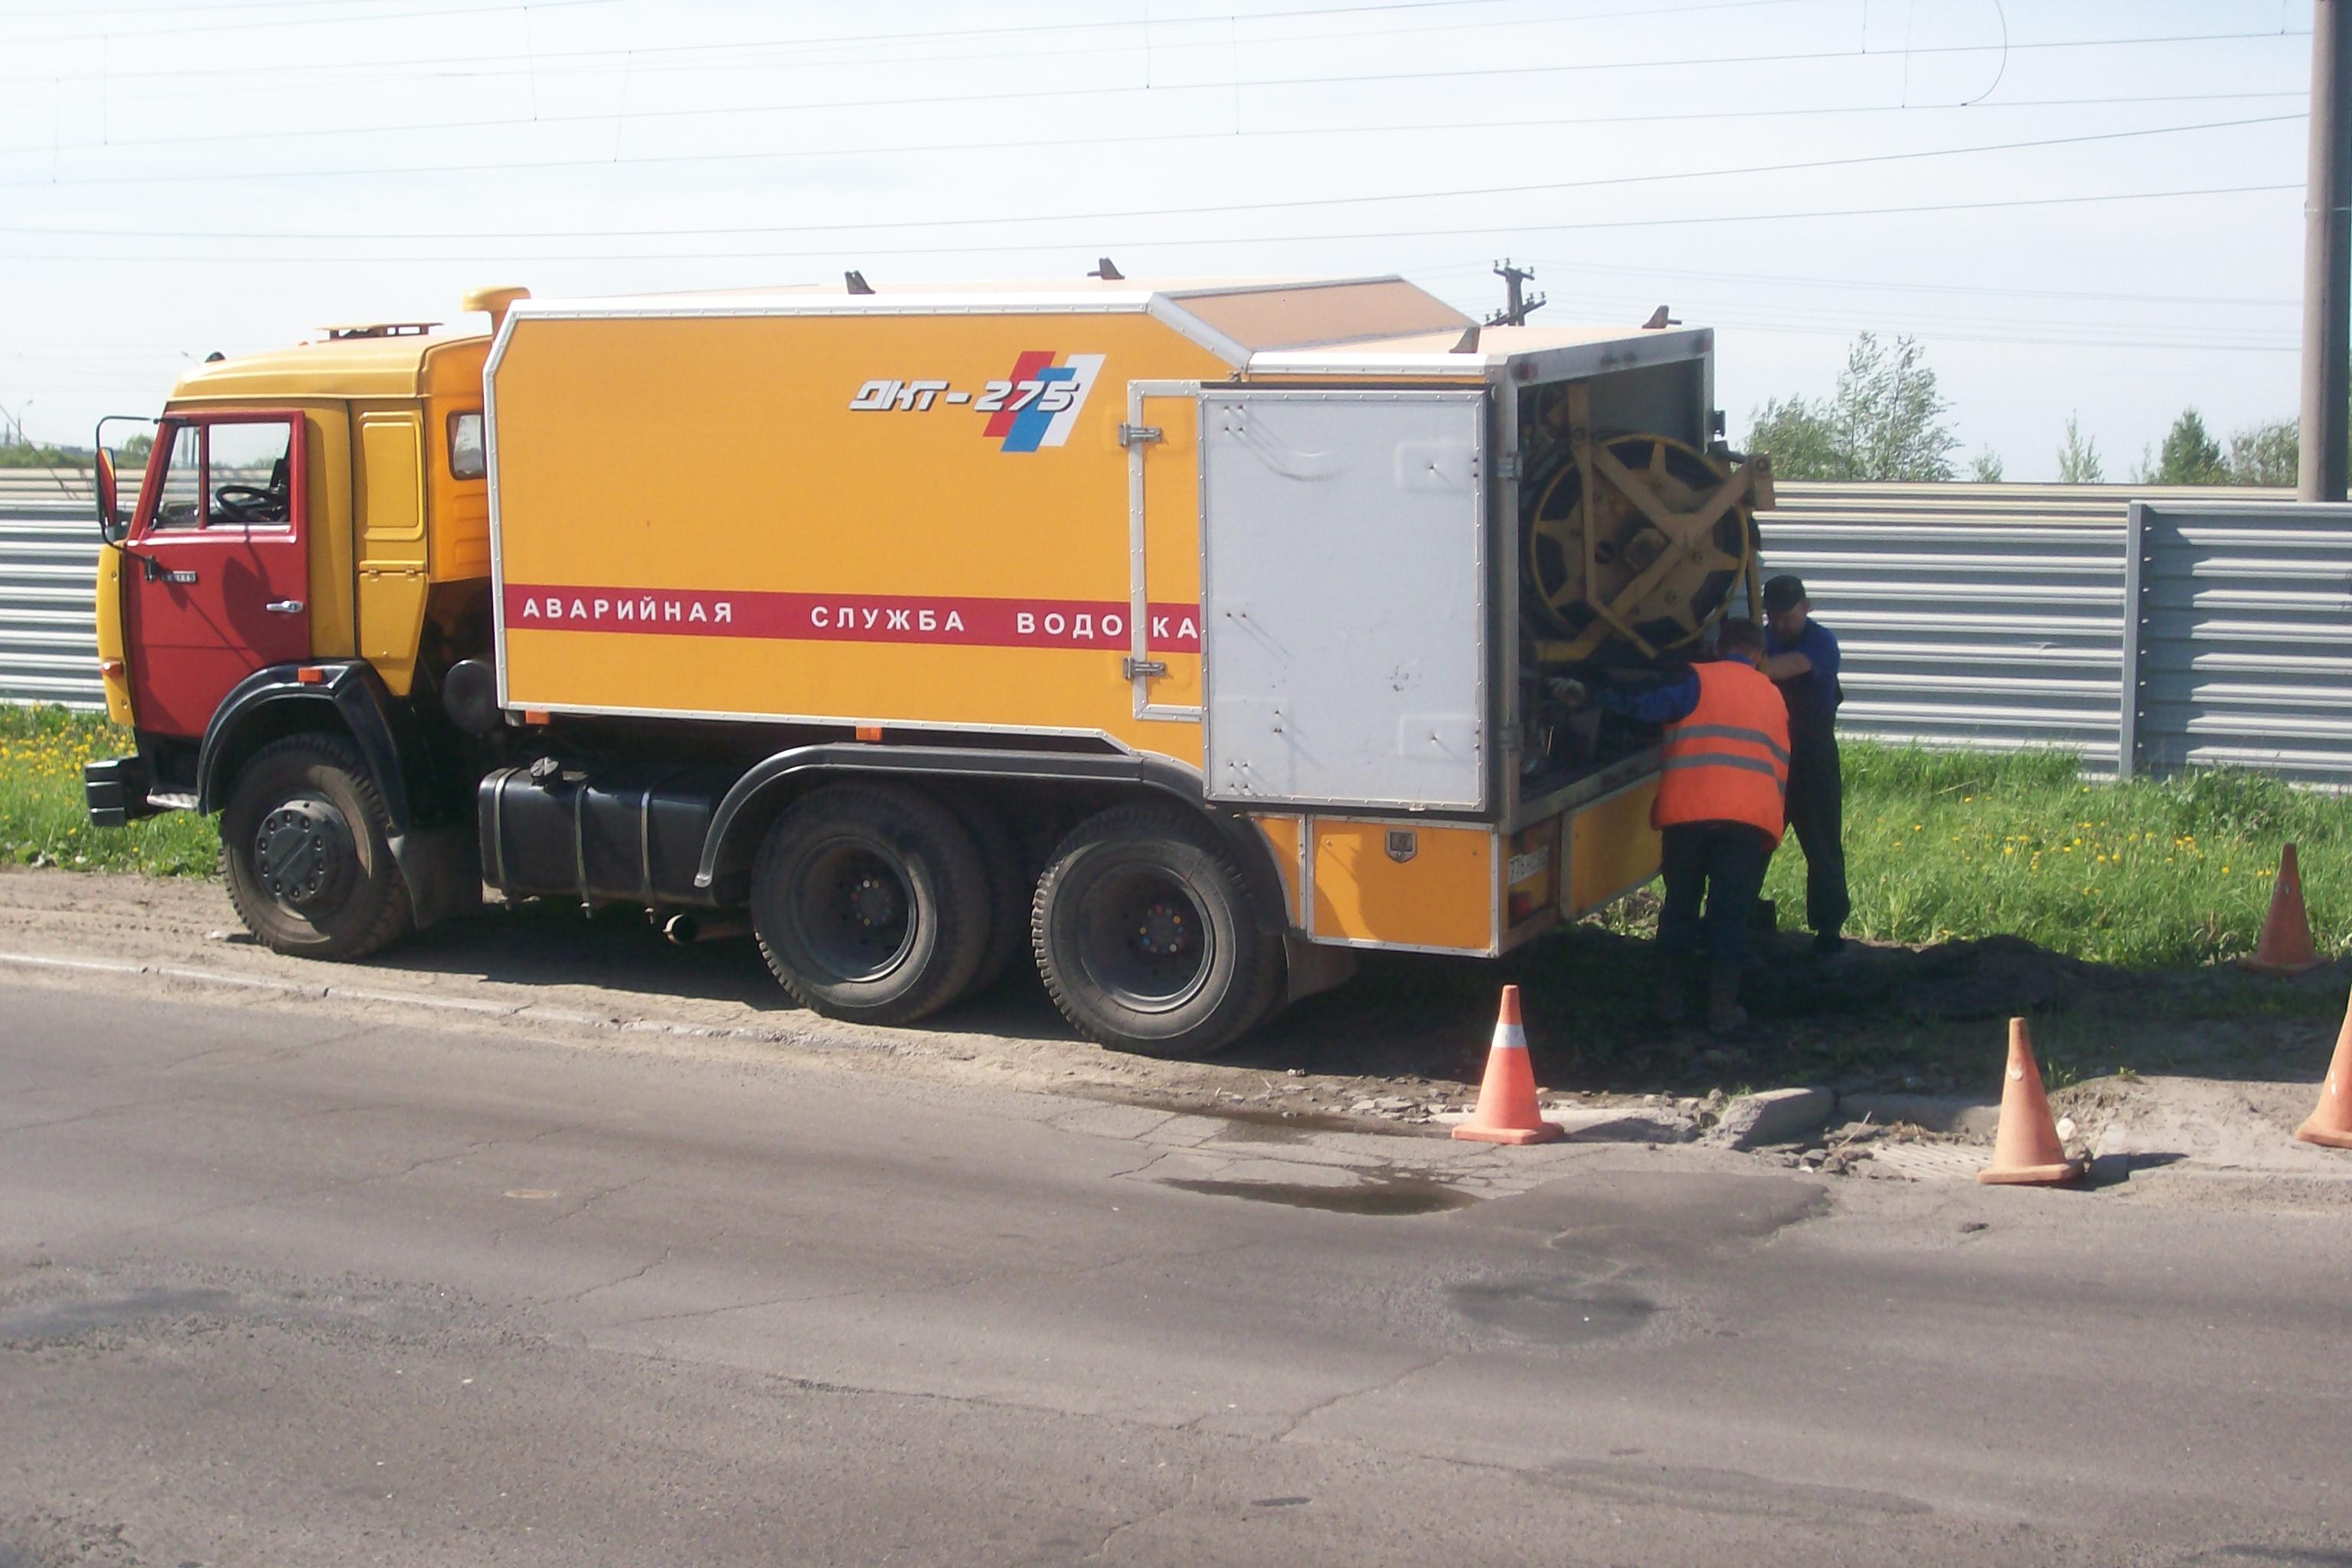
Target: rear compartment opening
[{"x": 1635, "y": 533}]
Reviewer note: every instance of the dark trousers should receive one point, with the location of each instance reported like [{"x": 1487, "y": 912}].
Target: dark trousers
[
  {"x": 1719, "y": 865},
  {"x": 1816, "y": 808}
]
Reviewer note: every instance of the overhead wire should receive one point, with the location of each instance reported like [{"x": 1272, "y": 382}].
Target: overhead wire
[
  {"x": 1220, "y": 208},
  {"x": 933, "y": 101},
  {"x": 1139, "y": 243},
  {"x": 1154, "y": 24},
  {"x": 472, "y": 10},
  {"x": 966, "y": 145}
]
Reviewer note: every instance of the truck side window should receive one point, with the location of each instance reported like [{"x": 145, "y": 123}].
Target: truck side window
[
  {"x": 466, "y": 460},
  {"x": 248, "y": 473},
  {"x": 182, "y": 501}
]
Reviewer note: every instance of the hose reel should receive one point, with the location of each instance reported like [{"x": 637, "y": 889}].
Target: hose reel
[{"x": 1636, "y": 540}]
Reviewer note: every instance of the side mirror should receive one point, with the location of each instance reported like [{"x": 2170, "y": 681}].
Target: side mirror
[
  {"x": 109, "y": 512},
  {"x": 105, "y": 485}
]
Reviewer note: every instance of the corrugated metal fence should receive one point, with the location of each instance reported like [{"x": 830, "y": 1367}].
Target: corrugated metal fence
[
  {"x": 48, "y": 551},
  {"x": 1967, "y": 615},
  {"x": 2013, "y": 616},
  {"x": 1993, "y": 615},
  {"x": 2244, "y": 646}
]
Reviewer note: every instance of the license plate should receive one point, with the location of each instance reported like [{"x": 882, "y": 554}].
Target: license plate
[{"x": 1528, "y": 866}]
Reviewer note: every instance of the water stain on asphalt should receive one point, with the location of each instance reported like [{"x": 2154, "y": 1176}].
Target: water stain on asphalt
[
  {"x": 1255, "y": 1126},
  {"x": 1385, "y": 1197},
  {"x": 1719, "y": 1492},
  {"x": 58, "y": 1320},
  {"x": 1550, "y": 1311}
]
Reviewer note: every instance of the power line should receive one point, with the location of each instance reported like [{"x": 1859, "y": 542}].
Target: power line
[
  {"x": 1219, "y": 209},
  {"x": 505, "y": 166},
  {"x": 1034, "y": 94},
  {"x": 1134, "y": 24},
  {"x": 626, "y": 63},
  {"x": 2099, "y": 296},
  {"x": 1141, "y": 244},
  {"x": 310, "y": 22}
]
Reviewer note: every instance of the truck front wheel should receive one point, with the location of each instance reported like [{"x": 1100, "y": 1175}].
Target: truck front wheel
[
  {"x": 1147, "y": 936},
  {"x": 870, "y": 903},
  {"x": 305, "y": 849}
]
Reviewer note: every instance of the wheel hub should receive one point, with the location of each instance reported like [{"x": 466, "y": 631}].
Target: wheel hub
[
  {"x": 874, "y": 902},
  {"x": 1164, "y": 931},
  {"x": 305, "y": 855}
]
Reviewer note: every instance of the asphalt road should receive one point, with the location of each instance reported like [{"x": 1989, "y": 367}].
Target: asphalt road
[{"x": 287, "y": 1286}]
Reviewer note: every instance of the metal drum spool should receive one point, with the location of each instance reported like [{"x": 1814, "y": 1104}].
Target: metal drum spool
[{"x": 1644, "y": 552}]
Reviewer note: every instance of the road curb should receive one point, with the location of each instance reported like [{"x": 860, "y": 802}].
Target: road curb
[{"x": 535, "y": 1012}]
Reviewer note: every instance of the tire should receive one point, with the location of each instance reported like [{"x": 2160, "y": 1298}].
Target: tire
[
  {"x": 1147, "y": 938},
  {"x": 870, "y": 903},
  {"x": 1009, "y": 889},
  {"x": 305, "y": 849}
]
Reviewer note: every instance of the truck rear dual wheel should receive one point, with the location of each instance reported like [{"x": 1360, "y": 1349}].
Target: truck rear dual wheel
[
  {"x": 870, "y": 902},
  {"x": 305, "y": 849},
  {"x": 1147, "y": 938},
  {"x": 1009, "y": 889}
]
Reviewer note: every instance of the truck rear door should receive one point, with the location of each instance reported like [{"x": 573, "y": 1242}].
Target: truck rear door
[
  {"x": 216, "y": 576},
  {"x": 1344, "y": 598}
]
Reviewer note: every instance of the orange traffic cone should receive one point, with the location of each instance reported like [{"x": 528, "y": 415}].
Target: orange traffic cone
[
  {"x": 2026, "y": 1151},
  {"x": 2332, "y": 1123},
  {"x": 2285, "y": 945},
  {"x": 1506, "y": 1109}
]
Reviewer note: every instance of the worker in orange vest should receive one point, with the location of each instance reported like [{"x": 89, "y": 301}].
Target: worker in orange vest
[{"x": 1720, "y": 812}]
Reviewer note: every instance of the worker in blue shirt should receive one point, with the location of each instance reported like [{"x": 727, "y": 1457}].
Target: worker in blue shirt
[{"x": 1802, "y": 657}]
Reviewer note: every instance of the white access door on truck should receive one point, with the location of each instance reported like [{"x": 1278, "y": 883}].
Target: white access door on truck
[{"x": 1344, "y": 598}]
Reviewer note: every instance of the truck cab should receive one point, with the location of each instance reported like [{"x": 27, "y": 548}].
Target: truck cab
[{"x": 306, "y": 556}]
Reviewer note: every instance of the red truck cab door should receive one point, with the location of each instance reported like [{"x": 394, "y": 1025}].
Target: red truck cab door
[{"x": 216, "y": 575}]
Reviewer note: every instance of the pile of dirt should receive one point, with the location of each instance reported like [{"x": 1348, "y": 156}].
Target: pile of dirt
[{"x": 1997, "y": 977}]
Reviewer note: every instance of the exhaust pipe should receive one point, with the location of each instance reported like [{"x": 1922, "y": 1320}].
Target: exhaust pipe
[{"x": 686, "y": 928}]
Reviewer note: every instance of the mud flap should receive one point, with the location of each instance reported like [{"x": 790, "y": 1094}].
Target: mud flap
[{"x": 441, "y": 867}]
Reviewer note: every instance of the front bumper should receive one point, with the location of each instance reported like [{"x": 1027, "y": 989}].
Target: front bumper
[{"x": 115, "y": 790}]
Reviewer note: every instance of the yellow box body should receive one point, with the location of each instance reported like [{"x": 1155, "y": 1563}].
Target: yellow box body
[
  {"x": 839, "y": 512},
  {"x": 896, "y": 566}
]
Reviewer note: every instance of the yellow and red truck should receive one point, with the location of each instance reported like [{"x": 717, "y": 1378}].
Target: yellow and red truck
[{"x": 1184, "y": 637}]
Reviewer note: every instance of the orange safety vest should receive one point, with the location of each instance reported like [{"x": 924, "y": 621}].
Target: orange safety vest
[{"x": 1728, "y": 760}]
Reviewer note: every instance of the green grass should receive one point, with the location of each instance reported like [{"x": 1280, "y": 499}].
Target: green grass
[
  {"x": 42, "y": 820},
  {"x": 1939, "y": 846},
  {"x": 1945, "y": 845}
]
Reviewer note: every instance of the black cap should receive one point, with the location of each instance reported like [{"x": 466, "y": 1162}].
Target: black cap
[{"x": 1783, "y": 593}]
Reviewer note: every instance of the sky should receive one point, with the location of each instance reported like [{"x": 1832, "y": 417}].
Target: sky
[{"x": 2086, "y": 209}]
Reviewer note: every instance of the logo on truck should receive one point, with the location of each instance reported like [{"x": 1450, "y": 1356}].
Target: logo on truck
[{"x": 1037, "y": 405}]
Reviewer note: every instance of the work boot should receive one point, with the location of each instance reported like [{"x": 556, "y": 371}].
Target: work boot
[
  {"x": 1724, "y": 1016},
  {"x": 1673, "y": 995}
]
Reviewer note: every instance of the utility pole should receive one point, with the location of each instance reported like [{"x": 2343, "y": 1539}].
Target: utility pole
[
  {"x": 1515, "y": 312},
  {"x": 2326, "y": 262}
]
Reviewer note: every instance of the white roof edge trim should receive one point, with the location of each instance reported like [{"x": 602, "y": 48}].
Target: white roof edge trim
[
  {"x": 1171, "y": 315},
  {"x": 1212, "y": 290},
  {"x": 1158, "y": 307},
  {"x": 658, "y": 305},
  {"x": 1311, "y": 362}
]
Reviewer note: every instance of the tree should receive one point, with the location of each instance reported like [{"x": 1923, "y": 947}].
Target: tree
[
  {"x": 1985, "y": 467},
  {"x": 1885, "y": 421},
  {"x": 2190, "y": 457},
  {"x": 2078, "y": 459},
  {"x": 2265, "y": 454}
]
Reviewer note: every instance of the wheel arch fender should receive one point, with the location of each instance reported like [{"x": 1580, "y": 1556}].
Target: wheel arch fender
[
  {"x": 350, "y": 700},
  {"x": 754, "y": 797},
  {"x": 274, "y": 701}
]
